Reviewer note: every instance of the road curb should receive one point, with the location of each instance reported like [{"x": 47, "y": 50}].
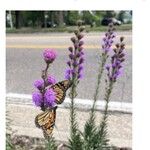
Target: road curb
[{"x": 83, "y": 104}]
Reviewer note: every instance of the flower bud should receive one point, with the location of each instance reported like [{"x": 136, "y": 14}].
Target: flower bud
[
  {"x": 81, "y": 43},
  {"x": 49, "y": 55},
  {"x": 121, "y": 39},
  {"x": 69, "y": 63},
  {"x": 117, "y": 45},
  {"x": 80, "y": 36},
  {"x": 73, "y": 39},
  {"x": 81, "y": 29},
  {"x": 70, "y": 49},
  {"x": 39, "y": 84},
  {"x": 71, "y": 56}
]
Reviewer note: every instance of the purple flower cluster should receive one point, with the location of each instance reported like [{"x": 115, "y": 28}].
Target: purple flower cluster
[
  {"x": 45, "y": 96},
  {"x": 49, "y": 97},
  {"x": 76, "y": 56},
  {"x": 51, "y": 80},
  {"x": 48, "y": 100},
  {"x": 115, "y": 69},
  {"x": 49, "y": 55},
  {"x": 37, "y": 98},
  {"x": 108, "y": 39},
  {"x": 39, "y": 84}
]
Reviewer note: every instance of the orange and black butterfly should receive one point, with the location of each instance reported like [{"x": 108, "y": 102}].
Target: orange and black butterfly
[
  {"x": 46, "y": 120},
  {"x": 60, "y": 89}
]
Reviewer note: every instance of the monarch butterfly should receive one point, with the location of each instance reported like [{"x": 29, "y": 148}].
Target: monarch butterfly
[
  {"x": 46, "y": 120},
  {"x": 60, "y": 89}
]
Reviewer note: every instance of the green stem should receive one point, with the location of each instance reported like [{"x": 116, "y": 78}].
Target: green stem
[
  {"x": 72, "y": 111},
  {"x": 44, "y": 77},
  {"x": 105, "y": 116},
  {"x": 101, "y": 69}
]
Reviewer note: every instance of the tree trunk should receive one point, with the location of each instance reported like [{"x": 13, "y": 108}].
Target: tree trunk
[
  {"x": 11, "y": 22},
  {"x": 60, "y": 19},
  {"x": 17, "y": 19}
]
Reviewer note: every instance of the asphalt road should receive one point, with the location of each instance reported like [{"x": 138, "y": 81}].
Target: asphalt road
[{"x": 24, "y": 63}]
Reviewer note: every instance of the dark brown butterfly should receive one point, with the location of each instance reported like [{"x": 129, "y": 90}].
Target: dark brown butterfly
[
  {"x": 60, "y": 89},
  {"x": 46, "y": 120}
]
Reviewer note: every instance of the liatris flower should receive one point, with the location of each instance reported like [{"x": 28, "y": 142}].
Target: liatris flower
[
  {"x": 39, "y": 84},
  {"x": 45, "y": 97},
  {"x": 76, "y": 56},
  {"x": 115, "y": 69},
  {"x": 37, "y": 98},
  {"x": 49, "y": 55},
  {"x": 108, "y": 39},
  {"x": 49, "y": 98},
  {"x": 51, "y": 80}
]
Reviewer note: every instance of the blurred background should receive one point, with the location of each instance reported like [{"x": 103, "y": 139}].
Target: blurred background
[{"x": 63, "y": 20}]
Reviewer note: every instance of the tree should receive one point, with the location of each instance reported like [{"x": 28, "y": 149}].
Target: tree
[
  {"x": 60, "y": 16},
  {"x": 88, "y": 17},
  {"x": 17, "y": 19},
  {"x": 121, "y": 15},
  {"x": 72, "y": 17},
  {"x": 110, "y": 14}
]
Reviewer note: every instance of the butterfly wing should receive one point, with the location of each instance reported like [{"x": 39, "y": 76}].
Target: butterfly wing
[
  {"x": 46, "y": 120},
  {"x": 60, "y": 89}
]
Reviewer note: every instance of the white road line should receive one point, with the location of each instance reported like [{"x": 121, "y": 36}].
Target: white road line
[{"x": 84, "y": 104}]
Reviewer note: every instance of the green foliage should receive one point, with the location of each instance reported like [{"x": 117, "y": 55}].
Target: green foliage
[
  {"x": 75, "y": 141},
  {"x": 121, "y": 15},
  {"x": 9, "y": 145},
  {"x": 9, "y": 133},
  {"x": 88, "y": 18},
  {"x": 51, "y": 143},
  {"x": 72, "y": 17},
  {"x": 32, "y": 18},
  {"x": 110, "y": 14},
  {"x": 60, "y": 18},
  {"x": 89, "y": 135}
]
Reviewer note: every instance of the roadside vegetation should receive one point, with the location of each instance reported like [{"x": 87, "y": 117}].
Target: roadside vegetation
[
  {"x": 48, "y": 94},
  {"x": 65, "y": 21}
]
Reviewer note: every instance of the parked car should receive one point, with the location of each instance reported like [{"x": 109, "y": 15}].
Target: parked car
[
  {"x": 49, "y": 25},
  {"x": 107, "y": 21}
]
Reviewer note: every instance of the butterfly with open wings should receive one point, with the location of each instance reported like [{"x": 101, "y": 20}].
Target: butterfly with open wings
[{"x": 46, "y": 120}]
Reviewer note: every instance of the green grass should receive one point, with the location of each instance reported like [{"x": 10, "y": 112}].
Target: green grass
[{"x": 125, "y": 27}]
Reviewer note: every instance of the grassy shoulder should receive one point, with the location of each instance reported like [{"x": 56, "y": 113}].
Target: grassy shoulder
[{"x": 125, "y": 27}]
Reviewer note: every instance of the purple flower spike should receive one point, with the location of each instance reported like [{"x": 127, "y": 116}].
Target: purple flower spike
[
  {"x": 49, "y": 98},
  {"x": 73, "y": 72},
  {"x": 69, "y": 63},
  {"x": 81, "y": 60},
  {"x": 115, "y": 70},
  {"x": 75, "y": 57},
  {"x": 80, "y": 48},
  {"x": 81, "y": 43},
  {"x": 80, "y": 76},
  {"x": 51, "y": 80},
  {"x": 107, "y": 67},
  {"x": 39, "y": 84},
  {"x": 68, "y": 74},
  {"x": 49, "y": 55},
  {"x": 108, "y": 40},
  {"x": 70, "y": 49},
  {"x": 71, "y": 56},
  {"x": 80, "y": 68},
  {"x": 37, "y": 98},
  {"x": 75, "y": 64},
  {"x": 81, "y": 53}
]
